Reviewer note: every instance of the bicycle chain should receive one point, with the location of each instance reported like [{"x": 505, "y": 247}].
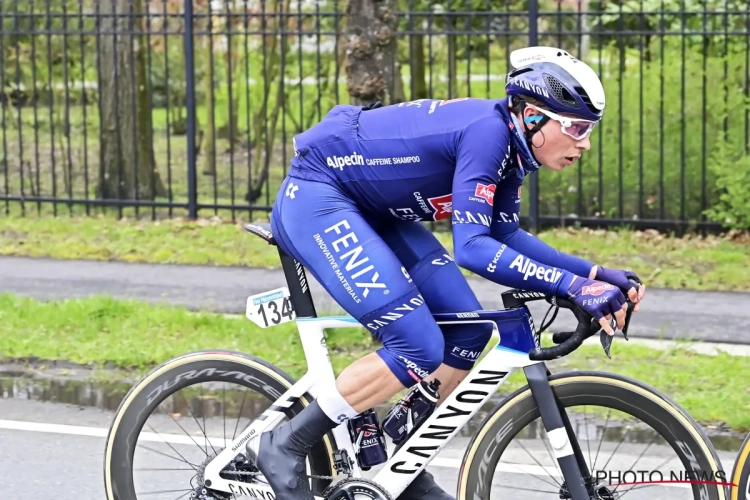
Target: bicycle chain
[{"x": 249, "y": 473}]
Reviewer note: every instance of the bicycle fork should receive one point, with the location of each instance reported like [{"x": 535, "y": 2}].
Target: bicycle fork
[{"x": 565, "y": 446}]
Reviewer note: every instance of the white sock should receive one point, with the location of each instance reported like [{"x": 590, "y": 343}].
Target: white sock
[{"x": 335, "y": 406}]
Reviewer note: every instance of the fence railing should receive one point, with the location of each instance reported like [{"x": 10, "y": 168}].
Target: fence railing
[{"x": 165, "y": 108}]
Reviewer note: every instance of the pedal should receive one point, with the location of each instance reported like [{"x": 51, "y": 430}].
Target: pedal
[{"x": 342, "y": 462}]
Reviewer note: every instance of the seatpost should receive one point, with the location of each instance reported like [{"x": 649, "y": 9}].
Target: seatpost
[{"x": 299, "y": 287}]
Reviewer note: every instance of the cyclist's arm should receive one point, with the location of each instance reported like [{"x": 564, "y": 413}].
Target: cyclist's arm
[
  {"x": 480, "y": 156},
  {"x": 505, "y": 229}
]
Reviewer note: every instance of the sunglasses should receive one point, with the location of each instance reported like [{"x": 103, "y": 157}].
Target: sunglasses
[{"x": 577, "y": 128}]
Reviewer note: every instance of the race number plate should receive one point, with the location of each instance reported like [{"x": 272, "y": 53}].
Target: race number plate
[{"x": 269, "y": 309}]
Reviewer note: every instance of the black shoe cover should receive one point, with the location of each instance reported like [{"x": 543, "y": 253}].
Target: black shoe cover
[
  {"x": 283, "y": 451},
  {"x": 424, "y": 487}
]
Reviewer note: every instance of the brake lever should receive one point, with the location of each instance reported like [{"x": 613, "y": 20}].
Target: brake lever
[
  {"x": 636, "y": 281},
  {"x": 606, "y": 339}
]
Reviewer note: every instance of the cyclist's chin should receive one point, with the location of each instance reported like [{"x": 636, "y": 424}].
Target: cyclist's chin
[
  {"x": 556, "y": 165},
  {"x": 561, "y": 163}
]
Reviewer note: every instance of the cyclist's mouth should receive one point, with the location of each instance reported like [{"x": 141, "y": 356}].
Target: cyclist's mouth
[{"x": 570, "y": 159}]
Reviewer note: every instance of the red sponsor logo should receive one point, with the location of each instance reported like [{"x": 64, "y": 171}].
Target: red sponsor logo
[
  {"x": 443, "y": 206},
  {"x": 486, "y": 192},
  {"x": 597, "y": 289}
]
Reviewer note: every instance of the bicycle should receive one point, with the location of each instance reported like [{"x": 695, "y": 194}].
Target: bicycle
[{"x": 226, "y": 472}]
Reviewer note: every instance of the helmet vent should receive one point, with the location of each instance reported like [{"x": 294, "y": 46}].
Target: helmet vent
[
  {"x": 586, "y": 99},
  {"x": 559, "y": 92}
]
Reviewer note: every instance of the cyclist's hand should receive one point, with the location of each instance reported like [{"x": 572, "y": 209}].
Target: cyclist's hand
[
  {"x": 621, "y": 279},
  {"x": 601, "y": 300}
]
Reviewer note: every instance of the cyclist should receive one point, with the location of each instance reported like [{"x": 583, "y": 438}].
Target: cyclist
[{"x": 349, "y": 210}]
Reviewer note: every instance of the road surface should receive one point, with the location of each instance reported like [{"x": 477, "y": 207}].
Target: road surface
[{"x": 668, "y": 314}]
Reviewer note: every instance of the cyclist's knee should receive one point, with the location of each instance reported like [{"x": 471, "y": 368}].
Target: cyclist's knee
[{"x": 413, "y": 345}]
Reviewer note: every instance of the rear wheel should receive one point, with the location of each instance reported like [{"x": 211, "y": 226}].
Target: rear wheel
[
  {"x": 609, "y": 415},
  {"x": 184, "y": 404}
]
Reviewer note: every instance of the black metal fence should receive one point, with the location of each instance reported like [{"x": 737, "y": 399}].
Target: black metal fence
[{"x": 163, "y": 108}]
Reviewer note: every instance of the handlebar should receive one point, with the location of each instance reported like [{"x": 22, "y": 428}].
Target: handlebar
[{"x": 587, "y": 327}]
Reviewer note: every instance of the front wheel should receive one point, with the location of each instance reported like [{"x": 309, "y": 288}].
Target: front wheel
[
  {"x": 184, "y": 404},
  {"x": 657, "y": 442},
  {"x": 741, "y": 473}
]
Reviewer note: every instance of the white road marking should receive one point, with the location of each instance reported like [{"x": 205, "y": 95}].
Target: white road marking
[{"x": 101, "y": 432}]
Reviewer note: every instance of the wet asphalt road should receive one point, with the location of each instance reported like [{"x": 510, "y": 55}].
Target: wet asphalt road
[{"x": 42, "y": 463}]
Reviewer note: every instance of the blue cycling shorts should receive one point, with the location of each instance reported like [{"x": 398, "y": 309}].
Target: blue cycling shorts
[{"x": 389, "y": 274}]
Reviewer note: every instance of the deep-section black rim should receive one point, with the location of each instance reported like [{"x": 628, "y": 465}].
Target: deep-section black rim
[
  {"x": 204, "y": 368},
  {"x": 600, "y": 393}
]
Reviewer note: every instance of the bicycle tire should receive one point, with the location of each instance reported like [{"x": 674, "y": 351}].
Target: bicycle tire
[
  {"x": 741, "y": 472},
  {"x": 519, "y": 409},
  {"x": 135, "y": 408}
]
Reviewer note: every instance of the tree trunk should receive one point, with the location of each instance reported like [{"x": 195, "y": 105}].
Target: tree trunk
[
  {"x": 127, "y": 150},
  {"x": 370, "y": 50}
]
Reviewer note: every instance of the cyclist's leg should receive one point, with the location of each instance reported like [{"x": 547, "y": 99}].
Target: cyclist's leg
[
  {"x": 320, "y": 227},
  {"x": 326, "y": 232},
  {"x": 444, "y": 289}
]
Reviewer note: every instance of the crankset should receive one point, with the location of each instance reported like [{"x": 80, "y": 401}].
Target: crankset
[{"x": 349, "y": 489}]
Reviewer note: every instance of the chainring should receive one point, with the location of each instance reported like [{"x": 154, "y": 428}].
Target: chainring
[{"x": 346, "y": 489}]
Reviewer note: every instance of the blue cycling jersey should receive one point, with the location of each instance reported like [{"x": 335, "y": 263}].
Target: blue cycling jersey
[
  {"x": 348, "y": 211},
  {"x": 436, "y": 159}
]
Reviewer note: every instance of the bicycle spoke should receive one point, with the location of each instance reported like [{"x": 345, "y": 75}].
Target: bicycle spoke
[
  {"x": 165, "y": 491},
  {"x": 165, "y": 442},
  {"x": 170, "y": 456},
  {"x": 655, "y": 468},
  {"x": 159, "y": 469},
  {"x": 586, "y": 425},
  {"x": 187, "y": 434},
  {"x": 636, "y": 487},
  {"x": 239, "y": 416},
  {"x": 205, "y": 448},
  {"x": 183, "y": 495},
  {"x": 638, "y": 458},
  {"x": 543, "y": 468},
  {"x": 518, "y": 488},
  {"x": 617, "y": 447},
  {"x": 205, "y": 435},
  {"x": 593, "y": 466}
]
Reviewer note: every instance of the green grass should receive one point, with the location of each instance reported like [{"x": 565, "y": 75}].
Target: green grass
[
  {"x": 135, "y": 336},
  {"x": 711, "y": 263}
]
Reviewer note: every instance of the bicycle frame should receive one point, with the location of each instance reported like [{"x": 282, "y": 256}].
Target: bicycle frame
[
  {"x": 512, "y": 339},
  {"x": 513, "y": 336}
]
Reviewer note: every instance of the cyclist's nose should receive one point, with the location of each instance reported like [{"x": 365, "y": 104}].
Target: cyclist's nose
[{"x": 584, "y": 143}]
